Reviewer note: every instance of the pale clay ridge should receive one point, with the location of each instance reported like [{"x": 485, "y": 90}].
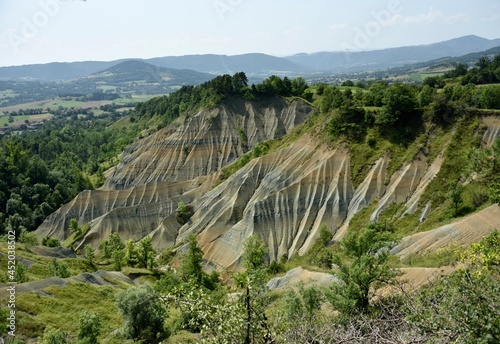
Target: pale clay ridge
[
  {"x": 371, "y": 189},
  {"x": 284, "y": 197},
  {"x": 492, "y": 131},
  {"x": 205, "y": 142},
  {"x": 462, "y": 233},
  {"x": 403, "y": 183}
]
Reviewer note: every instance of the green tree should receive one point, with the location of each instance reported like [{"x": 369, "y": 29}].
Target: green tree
[
  {"x": 89, "y": 328},
  {"x": 361, "y": 267},
  {"x": 400, "y": 105},
  {"x": 254, "y": 253},
  {"x": 146, "y": 253},
  {"x": 455, "y": 191},
  {"x": 131, "y": 258},
  {"x": 50, "y": 242},
  {"x": 21, "y": 274},
  {"x": 28, "y": 238},
  {"x": 118, "y": 257},
  {"x": 59, "y": 269},
  {"x": 252, "y": 280},
  {"x": 191, "y": 268},
  {"x": 426, "y": 95},
  {"x": 143, "y": 313},
  {"x": 74, "y": 227},
  {"x": 302, "y": 315},
  {"x": 89, "y": 253}
]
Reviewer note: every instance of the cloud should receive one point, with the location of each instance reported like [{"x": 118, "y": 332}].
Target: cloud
[
  {"x": 432, "y": 16},
  {"x": 428, "y": 18},
  {"x": 338, "y": 27}
]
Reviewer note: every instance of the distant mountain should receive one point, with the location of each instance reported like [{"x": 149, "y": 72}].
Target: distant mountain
[
  {"x": 141, "y": 72},
  {"x": 258, "y": 66},
  {"x": 56, "y": 71},
  {"x": 450, "y": 62},
  {"x": 251, "y": 64},
  {"x": 393, "y": 57}
]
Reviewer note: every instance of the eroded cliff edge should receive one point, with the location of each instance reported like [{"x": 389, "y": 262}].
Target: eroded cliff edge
[{"x": 284, "y": 196}]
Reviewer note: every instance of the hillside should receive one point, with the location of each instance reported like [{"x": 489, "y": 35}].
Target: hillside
[
  {"x": 222, "y": 188},
  {"x": 289, "y": 190}
]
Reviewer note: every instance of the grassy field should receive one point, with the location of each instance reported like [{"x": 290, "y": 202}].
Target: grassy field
[
  {"x": 4, "y": 120},
  {"x": 54, "y": 104}
]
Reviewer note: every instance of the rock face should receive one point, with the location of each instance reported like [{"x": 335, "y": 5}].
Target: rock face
[{"x": 284, "y": 197}]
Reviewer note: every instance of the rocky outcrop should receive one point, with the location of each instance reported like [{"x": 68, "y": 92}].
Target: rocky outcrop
[{"x": 302, "y": 276}]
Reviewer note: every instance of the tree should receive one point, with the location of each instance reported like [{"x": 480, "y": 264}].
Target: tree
[
  {"x": 252, "y": 280},
  {"x": 74, "y": 227},
  {"x": 400, "y": 104},
  {"x": 302, "y": 314},
  {"x": 426, "y": 95},
  {"x": 117, "y": 256},
  {"x": 112, "y": 245},
  {"x": 131, "y": 258},
  {"x": 146, "y": 253},
  {"x": 254, "y": 253},
  {"x": 59, "y": 269},
  {"x": 89, "y": 328},
  {"x": 361, "y": 267},
  {"x": 455, "y": 193},
  {"x": 191, "y": 268},
  {"x": 50, "y": 242},
  {"x": 21, "y": 273},
  {"x": 89, "y": 253},
  {"x": 143, "y": 314}
]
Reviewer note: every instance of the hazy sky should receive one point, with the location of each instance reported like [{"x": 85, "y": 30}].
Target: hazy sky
[{"x": 40, "y": 31}]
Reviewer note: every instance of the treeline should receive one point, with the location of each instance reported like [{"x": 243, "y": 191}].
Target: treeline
[
  {"x": 485, "y": 71},
  {"x": 44, "y": 169},
  {"x": 211, "y": 93}
]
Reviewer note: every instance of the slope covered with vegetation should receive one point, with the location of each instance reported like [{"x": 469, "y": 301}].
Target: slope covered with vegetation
[{"x": 194, "y": 301}]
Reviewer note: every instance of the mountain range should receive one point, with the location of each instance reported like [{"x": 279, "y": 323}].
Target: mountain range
[{"x": 261, "y": 65}]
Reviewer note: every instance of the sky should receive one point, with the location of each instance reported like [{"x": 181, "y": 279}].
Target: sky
[{"x": 42, "y": 31}]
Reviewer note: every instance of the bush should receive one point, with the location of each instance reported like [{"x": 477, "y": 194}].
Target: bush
[
  {"x": 53, "y": 336},
  {"x": 28, "y": 238},
  {"x": 184, "y": 213},
  {"x": 143, "y": 314},
  {"x": 51, "y": 242},
  {"x": 90, "y": 328}
]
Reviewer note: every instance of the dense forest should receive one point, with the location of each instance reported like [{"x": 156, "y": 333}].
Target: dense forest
[{"x": 41, "y": 170}]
